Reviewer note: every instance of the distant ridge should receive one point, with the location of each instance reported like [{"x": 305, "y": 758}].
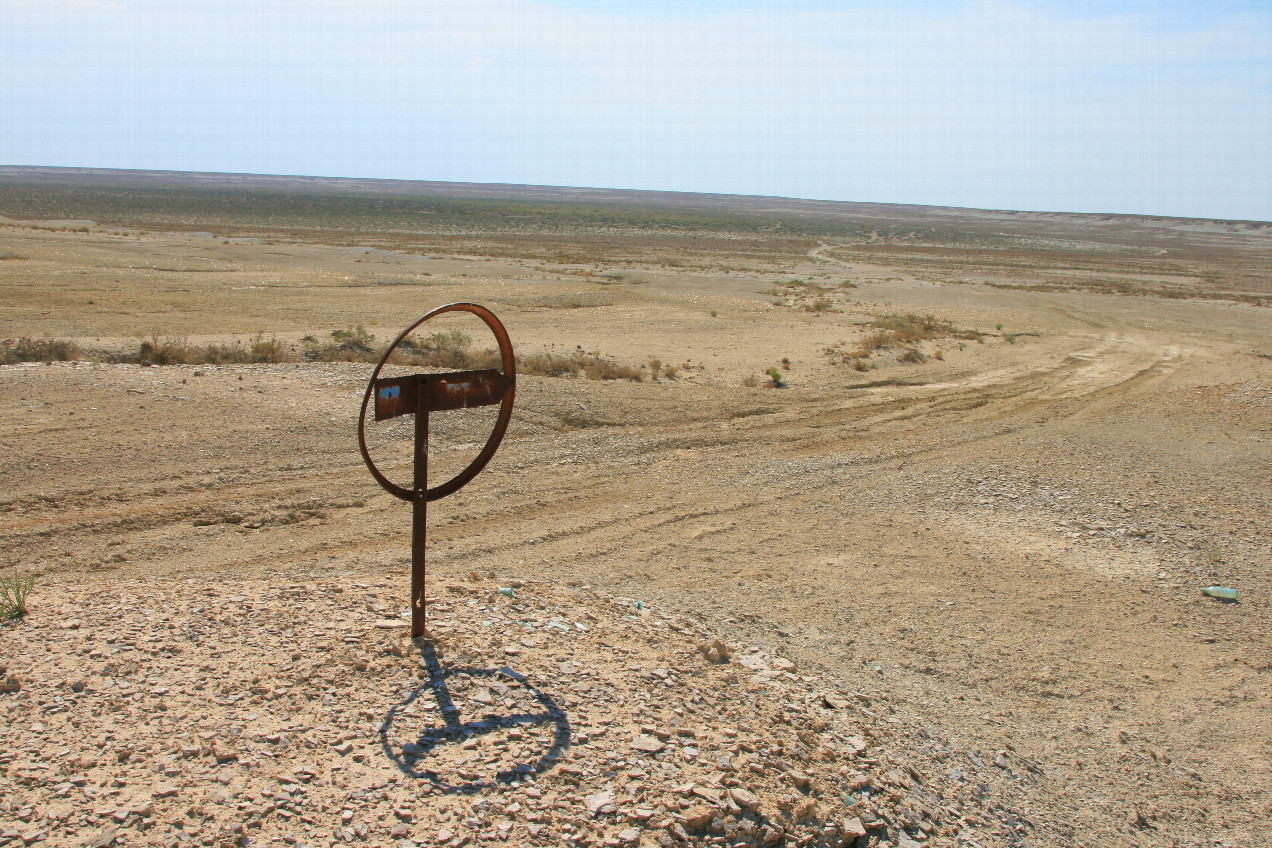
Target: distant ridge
[{"x": 125, "y": 178}]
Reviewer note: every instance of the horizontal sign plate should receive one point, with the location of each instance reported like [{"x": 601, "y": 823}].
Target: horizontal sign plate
[{"x": 396, "y": 396}]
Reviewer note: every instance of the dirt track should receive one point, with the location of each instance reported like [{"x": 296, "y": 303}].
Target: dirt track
[{"x": 1008, "y": 542}]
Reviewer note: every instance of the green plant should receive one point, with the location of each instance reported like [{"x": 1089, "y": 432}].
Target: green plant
[
  {"x": 714, "y": 313},
  {"x": 775, "y": 378},
  {"x": 354, "y": 338},
  {"x": 1010, "y": 338},
  {"x": 999, "y": 326},
  {"x": 13, "y": 594}
]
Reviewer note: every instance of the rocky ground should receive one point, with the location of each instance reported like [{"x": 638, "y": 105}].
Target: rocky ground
[{"x": 183, "y": 712}]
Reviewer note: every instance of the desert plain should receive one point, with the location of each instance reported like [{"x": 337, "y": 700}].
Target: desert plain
[{"x": 942, "y": 488}]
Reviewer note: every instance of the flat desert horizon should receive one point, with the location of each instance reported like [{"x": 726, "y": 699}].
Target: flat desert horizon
[{"x": 816, "y": 523}]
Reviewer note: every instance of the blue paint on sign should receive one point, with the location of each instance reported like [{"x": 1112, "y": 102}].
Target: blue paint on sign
[{"x": 390, "y": 392}]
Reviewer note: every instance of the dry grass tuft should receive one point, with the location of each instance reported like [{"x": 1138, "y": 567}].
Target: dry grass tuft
[{"x": 38, "y": 350}]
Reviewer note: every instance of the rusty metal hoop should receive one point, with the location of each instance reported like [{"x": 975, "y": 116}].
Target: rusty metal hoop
[{"x": 501, "y": 424}]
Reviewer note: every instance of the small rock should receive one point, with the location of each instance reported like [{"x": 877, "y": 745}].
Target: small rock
[
  {"x": 601, "y": 802},
  {"x": 715, "y": 651},
  {"x": 648, "y": 744},
  {"x": 101, "y": 840},
  {"x": 10, "y": 684},
  {"x": 165, "y": 791},
  {"x": 743, "y": 798},
  {"x": 697, "y": 816},
  {"x": 852, "y": 829},
  {"x": 629, "y": 835}
]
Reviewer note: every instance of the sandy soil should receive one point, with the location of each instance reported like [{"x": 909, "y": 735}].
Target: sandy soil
[{"x": 1005, "y": 546}]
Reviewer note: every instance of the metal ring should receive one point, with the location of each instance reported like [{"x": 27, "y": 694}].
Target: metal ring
[{"x": 501, "y": 424}]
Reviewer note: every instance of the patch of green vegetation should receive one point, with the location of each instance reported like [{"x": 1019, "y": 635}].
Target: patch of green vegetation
[{"x": 14, "y": 590}]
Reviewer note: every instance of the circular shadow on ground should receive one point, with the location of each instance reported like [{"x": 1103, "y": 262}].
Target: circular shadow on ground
[{"x": 512, "y": 708}]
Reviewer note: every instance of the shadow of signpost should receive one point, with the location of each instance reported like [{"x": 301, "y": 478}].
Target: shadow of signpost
[{"x": 411, "y": 758}]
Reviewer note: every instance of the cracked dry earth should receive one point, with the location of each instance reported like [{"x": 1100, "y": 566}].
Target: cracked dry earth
[{"x": 961, "y": 599}]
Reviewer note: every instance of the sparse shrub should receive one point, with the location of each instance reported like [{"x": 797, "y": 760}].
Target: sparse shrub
[
  {"x": 170, "y": 350},
  {"x": 999, "y": 326},
  {"x": 547, "y": 365},
  {"x": 266, "y": 350},
  {"x": 713, "y": 313},
  {"x": 859, "y": 363},
  {"x": 750, "y": 381},
  {"x": 655, "y": 368},
  {"x": 1010, "y": 338},
  {"x": 820, "y": 304},
  {"x": 670, "y": 371},
  {"x": 913, "y": 327},
  {"x": 940, "y": 354},
  {"x": 913, "y": 355},
  {"x": 354, "y": 338},
  {"x": 601, "y": 369},
  {"x": 30, "y": 349},
  {"x": 14, "y": 590},
  {"x": 874, "y": 341},
  {"x": 786, "y": 363},
  {"x": 775, "y": 378}
]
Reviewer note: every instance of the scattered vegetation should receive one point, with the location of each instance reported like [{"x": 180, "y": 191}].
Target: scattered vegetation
[
  {"x": 31, "y": 349},
  {"x": 177, "y": 350},
  {"x": 450, "y": 350},
  {"x": 750, "y": 381},
  {"x": 14, "y": 590},
  {"x": 775, "y": 379},
  {"x": 887, "y": 331}
]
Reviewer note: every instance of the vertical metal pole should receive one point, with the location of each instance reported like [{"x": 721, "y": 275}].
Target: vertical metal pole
[{"x": 419, "y": 518}]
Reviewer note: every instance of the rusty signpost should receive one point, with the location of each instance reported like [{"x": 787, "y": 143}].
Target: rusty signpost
[{"x": 419, "y": 395}]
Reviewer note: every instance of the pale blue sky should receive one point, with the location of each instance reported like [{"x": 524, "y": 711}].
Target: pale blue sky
[{"x": 1133, "y": 106}]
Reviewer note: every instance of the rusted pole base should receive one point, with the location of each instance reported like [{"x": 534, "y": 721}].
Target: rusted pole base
[{"x": 419, "y": 621}]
